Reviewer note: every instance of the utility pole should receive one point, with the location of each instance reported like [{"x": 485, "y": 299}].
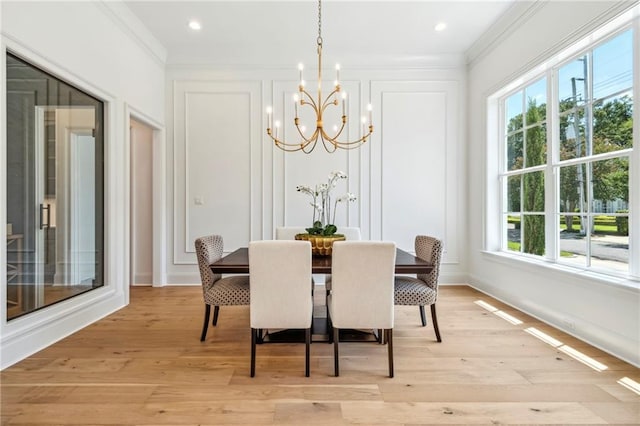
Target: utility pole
[
  {"x": 587, "y": 139},
  {"x": 576, "y": 130}
]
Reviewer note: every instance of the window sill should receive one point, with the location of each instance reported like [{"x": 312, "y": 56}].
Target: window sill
[{"x": 535, "y": 265}]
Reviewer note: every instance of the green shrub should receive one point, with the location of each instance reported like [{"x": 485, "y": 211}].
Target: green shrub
[{"x": 622, "y": 223}]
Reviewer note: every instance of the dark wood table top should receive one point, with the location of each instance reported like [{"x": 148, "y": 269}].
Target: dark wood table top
[{"x": 237, "y": 262}]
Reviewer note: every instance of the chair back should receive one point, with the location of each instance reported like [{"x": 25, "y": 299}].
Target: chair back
[
  {"x": 289, "y": 232},
  {"x": 429, "y": 249},
  {"x": 362, "y": 284},
  {"x": 209, "y": 249},
  {"x": 350, "y": 233},
  {"x": 281, "y": 285}
]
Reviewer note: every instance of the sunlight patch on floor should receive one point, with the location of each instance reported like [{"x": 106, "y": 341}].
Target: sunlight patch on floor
[
  {"x": 630, "y": 384},
  {"x": 505, "y": 316},
  {"x": 573, "y": 353}
]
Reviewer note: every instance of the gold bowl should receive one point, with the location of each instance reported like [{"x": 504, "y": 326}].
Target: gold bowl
[{"x": 321, "y": 245}]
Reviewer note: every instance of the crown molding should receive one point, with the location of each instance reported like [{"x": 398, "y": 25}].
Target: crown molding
[
  {"x": 515, "y": 16},
  {"x": 521, "y": 12},
  {"x": 129, "y": 23}
]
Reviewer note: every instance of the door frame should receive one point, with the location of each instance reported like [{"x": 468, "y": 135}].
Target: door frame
[{"x": 159, "y": 203}]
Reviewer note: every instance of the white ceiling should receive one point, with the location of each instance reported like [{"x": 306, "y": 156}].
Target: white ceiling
[{"x": 283, "y": 33}]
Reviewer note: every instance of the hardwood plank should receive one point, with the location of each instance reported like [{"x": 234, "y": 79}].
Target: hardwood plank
[
  {"x": 494, "y": 393},
  {"x": 469, "y": 413},
  {"x": 145, "y": 365}
]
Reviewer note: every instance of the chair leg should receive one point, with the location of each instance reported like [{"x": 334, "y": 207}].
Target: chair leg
[
  {"x": 423, "y": 316},
  {"x": 207, "y": 313},
  {"x": 434, "y": 319},
  {"x": 216, "y": 309},
  {"x": 389, "y": 333},
  {"x": 336, "y": 340},
  {"x": 329, "y": 326},
  {"x": 381, "y": 336},
  {"x": 254, "y": 332},
  {"x": 307, "y": 350}
]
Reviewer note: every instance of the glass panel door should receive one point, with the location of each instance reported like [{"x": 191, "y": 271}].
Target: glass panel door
[{"x": 55, "y": 195}]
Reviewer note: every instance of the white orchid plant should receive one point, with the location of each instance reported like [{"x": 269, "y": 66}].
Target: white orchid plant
[{"x": 323, "y": 221}]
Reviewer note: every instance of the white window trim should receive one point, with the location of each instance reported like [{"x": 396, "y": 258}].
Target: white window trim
[{"x": 494, "y": 229}]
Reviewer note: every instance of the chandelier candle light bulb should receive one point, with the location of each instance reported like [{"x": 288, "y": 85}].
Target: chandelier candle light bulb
[{"x": 331, "y": 142}]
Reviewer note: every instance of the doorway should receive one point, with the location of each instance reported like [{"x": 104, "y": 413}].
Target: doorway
[{"x": 141, "y": 190}]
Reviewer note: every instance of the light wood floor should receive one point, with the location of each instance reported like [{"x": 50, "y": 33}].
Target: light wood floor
[{"x": 146, "y": 365}]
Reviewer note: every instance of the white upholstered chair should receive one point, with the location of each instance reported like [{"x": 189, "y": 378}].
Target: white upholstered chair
[
  {"x": 422, "y": 289},
  {"x": 289, "y": 232},
  {"x": 217, "y": 291},
  {"x": 280, "y": 290},
  {"x": 351, "y": 233},
  {"x": 362, "y": 292}
]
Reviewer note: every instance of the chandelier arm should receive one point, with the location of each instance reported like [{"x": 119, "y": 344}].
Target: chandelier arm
[
  {"x": 304, "y": 138},
  {"x": 289, "y": 147},
  {"x": 314, "y": 139},
  {"x": 335, "y": 138},
  {"x": 312, "y": 103},
  {"x": 355, "y": 144},
  {"x": 328, "y": 101},
  {"x": 326, "y": 139}
]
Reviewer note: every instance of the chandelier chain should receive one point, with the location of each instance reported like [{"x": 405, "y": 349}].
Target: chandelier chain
[{"x": 319, "y": 23}]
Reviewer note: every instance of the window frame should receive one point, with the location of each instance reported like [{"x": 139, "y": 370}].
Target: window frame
[{"x": 497, "y": 108}]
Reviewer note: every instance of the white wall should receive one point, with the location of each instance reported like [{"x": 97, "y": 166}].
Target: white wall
[
  {"x": 141, "y": 203},
  {"x": 602, "y": 313},
  {"x": 227, "y": 177},
  {"x": 86, "y": 44}
]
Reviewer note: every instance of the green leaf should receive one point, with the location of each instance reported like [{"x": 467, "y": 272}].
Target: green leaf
[{"x": 330, "y": 230}]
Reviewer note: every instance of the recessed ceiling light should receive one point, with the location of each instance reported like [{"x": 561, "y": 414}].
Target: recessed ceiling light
[
  {"x": 441, "y": 26},
  {"x": 195, "y": 25}
]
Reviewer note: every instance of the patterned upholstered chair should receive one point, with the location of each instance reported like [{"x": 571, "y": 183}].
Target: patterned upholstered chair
[
  {"x": 362, "y": 268},
  {"x": 422, "y": 290},
  {"x": 218, "y": 291}
]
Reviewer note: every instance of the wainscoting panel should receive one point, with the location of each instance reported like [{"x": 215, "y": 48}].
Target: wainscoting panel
[
  {"x": 417, "y": 184},
  {"x": 213, "y": 144}
]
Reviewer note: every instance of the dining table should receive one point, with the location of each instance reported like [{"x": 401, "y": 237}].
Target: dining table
[{"x": 237, "y": 262}]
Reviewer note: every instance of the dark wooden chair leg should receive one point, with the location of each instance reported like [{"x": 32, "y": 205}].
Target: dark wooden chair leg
[
  {"x": 329, "y": 326},
  {"x": 207, "y": 313},
  {"x": 434, "y": 319},
  {"x": 381, "y": 336},
  {"x": 423, "y": 315},
  {"x": 254, "y": 332},
  {"x": 389, "y": 333},
  {"x": 307, "y": 350},
  {"x": 336, "y": 340},
  {"x": 216, "y": 309}
]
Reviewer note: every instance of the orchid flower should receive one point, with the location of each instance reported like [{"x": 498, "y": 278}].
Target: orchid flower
[{"x": 321, "y": 202}]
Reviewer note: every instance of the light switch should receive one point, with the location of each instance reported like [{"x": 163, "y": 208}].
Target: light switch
[{"x": 198, "y": 201}]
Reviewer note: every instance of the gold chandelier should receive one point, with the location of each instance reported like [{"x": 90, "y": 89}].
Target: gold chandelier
[{"x": 319, "y": 105}]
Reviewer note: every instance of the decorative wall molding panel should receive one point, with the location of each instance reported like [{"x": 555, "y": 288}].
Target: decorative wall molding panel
[
  {"x": 214, "y": 150},
  {"x": 229, "y": 178}
]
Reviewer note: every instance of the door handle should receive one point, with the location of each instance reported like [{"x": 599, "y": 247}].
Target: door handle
[{"x": 42, "y": 209}]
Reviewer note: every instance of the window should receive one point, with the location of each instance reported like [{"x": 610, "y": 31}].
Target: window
[
  {"x": 55, "y": 191},
  {"x": 567, "y": 149}
]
